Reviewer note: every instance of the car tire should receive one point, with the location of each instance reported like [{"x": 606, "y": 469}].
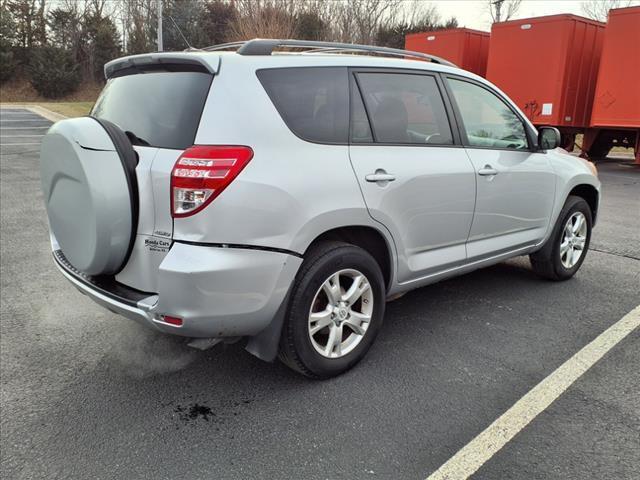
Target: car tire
[
  {"x": 323, "y": 337},
  {"x": 566, "y": 248}
]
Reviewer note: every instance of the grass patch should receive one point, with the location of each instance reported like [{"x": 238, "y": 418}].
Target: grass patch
[
  {"x": 21, "y": 91},
  {"x": 68, "y": 109},
  {"x": 78, "y": 104}
]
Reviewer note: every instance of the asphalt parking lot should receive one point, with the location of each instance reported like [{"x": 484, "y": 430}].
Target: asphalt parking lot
[{"x": 88, "y": 394}]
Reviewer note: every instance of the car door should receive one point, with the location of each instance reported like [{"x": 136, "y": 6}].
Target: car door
[
  {"x": 414, "y": 174},
  {"x": 515, "y": 183}
]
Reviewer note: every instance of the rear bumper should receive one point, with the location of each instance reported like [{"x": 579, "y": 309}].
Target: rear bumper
[{"x": 217, "y": 292}]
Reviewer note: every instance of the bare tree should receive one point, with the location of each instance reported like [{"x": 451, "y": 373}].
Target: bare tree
[
  {"x": 417, "y": 12},
  {"x": 265, "y": 18},
  {"x": 370, "y": 15},
  {"x": 502, "y": 10},
  {"x": 140, "y": 32},
  {"x": 599, "y": 9},
  {"x": 29, "y": 18},
  {"x": 358, "y": 21}
]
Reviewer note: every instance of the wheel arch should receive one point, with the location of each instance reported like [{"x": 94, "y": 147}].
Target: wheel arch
[
  {"x": 265, "y": 344},
  {"x": 369, "y": 239},
  {"x": 590, "y": 195}
]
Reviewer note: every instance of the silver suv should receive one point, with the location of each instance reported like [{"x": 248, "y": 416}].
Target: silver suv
[{"x": 245, "y": 193}]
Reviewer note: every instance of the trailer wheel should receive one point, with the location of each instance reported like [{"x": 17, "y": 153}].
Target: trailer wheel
[
  {"x": 601, "y": 147},
  {"x": 568, "y": 141}
]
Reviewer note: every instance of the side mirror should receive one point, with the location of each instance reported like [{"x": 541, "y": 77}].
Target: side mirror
[{"x": 548, "y": 138}]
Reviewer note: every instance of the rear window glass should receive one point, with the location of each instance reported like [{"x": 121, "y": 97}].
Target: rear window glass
[
  {"x": 162, "y": 109},
  {"x": 313, "y": 101}
]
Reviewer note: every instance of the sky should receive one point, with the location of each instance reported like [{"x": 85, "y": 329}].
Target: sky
[{"x": 474, "y": 14}]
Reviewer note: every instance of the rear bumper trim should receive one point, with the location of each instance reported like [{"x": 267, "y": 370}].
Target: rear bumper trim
[
  {"x": 218, "y": 292},
  {"x": 105, "y": 285}
]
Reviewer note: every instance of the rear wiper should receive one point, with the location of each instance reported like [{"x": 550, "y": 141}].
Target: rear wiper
[{"x": 136, "y": 140}]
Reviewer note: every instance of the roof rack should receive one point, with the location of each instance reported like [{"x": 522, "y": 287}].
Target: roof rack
[{"x": 266, "y": 46}]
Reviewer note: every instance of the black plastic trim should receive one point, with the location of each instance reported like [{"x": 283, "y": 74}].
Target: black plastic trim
[
  {"x": 266, "y": 46},
  {"x": 104, "y": 284},
  {"x": 239, "y": 246},
  {"x": 129, "y": 159}
]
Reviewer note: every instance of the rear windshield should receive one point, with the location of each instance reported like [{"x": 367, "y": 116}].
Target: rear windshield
[
  {"x": 313, "y": 101},
  {"x": 162, "y": 109}
]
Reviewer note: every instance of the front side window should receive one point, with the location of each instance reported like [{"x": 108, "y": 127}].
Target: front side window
[
  {"x": 488, "y": 121},
  {"x": 312, "y": 101},
  {"x": 405, "y": 108}
]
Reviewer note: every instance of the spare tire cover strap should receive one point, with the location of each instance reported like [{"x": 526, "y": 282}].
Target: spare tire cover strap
[{"x": 129, "y": 159}]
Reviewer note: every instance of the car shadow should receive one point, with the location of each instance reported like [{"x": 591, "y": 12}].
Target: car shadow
[{"x": 219, "y": 382}]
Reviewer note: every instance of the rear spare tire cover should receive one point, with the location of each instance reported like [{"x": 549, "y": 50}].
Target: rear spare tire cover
[{"x": 87, "y": 169}]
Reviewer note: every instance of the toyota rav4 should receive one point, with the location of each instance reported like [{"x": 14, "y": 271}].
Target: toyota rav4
[{"x": 243, "y": 192}]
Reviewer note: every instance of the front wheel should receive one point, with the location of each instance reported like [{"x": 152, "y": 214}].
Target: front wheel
[
  {"x": 564, "y": 252},
  {"x": 336, "y": 310}
]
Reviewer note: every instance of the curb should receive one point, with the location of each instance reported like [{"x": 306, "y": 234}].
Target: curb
[
  {"x": 37, "y": 109},
  {"x": 46, "y": 113}
]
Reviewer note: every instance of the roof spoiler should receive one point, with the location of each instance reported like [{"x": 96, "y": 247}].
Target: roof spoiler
[{"x": 173, "y": 61}]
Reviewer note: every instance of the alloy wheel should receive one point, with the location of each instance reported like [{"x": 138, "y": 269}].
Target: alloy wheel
[
  {"x": 340, "y": 313},
  {"x": 574, "y": 239}
]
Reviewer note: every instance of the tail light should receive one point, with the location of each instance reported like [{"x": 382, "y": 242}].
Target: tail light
[{"x": 201, "y": 174}]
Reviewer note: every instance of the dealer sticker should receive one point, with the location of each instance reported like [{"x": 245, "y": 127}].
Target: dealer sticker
[{"x": 157, "y": 245}]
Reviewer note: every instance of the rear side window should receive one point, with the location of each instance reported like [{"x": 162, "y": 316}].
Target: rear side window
[
  {"x": 405, "y": 108},
  {"x": 162, "y": 109},
  {"x": 312, "y": 101}
]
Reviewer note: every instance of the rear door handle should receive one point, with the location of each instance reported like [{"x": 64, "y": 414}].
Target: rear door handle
[
  {"x": 487, "y": 171},
  {"x": 380, "y": 176}
]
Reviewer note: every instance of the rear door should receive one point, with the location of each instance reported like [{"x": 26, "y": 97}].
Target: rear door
[
  {"x": 415, "y": 177},
  {"x": 515, "y": 183},
  {"x": 159, "y": 108}
]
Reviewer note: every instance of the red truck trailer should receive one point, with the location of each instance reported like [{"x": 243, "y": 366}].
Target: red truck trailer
[
  {"x": 615, "y": 118},
  {"x": 548, "y": 66},
  {"x": 466, "y": 48}
]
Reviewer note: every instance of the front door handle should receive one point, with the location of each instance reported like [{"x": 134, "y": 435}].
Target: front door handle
[
  {"x": 380, "y": 176},
  {"x": 487, "y": 171}
]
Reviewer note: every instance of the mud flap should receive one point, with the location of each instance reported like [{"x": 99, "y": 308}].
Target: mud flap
[{"x": 265, "y": 344}]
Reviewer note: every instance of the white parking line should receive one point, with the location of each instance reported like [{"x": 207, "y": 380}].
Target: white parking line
[
  {"x": 21, "y": 128},
  {"x": 9, "y": 144},
  {"x": 14, "y": 135},
  {"x": 24, "y": 121},
  {"x": 473, "y": 455}
]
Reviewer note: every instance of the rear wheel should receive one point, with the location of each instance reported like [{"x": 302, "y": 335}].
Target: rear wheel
[
  {"x": 564, "y": 252},
  {"x": 336, "y": 311}
]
